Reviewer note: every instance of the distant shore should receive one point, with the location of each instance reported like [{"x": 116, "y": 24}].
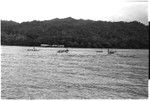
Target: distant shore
[{"x": 71, "y": 32}]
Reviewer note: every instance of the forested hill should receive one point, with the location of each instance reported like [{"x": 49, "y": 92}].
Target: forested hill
[{"x": 76, "y": 33}]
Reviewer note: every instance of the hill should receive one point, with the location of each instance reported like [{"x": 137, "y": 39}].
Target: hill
[{"x": 76, "y": 33}]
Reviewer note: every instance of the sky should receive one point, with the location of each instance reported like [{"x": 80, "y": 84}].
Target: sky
[{"x": 105, "y": 10}]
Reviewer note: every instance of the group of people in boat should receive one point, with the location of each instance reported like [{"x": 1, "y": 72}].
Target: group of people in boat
[{"x": 62, "y": 51}]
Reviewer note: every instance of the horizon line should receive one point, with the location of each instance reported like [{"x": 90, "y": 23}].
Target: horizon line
[{"x": 75, "y": 19}]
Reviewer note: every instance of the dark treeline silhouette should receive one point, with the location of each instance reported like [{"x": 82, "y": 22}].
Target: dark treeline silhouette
[{"x": 76, "y": 33}]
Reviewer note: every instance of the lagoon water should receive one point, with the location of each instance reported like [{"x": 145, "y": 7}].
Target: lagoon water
[{"x": 79, "y": 74}]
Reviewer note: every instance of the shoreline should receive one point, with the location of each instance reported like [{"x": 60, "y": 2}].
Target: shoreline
[{"x": 79, "y": 47}]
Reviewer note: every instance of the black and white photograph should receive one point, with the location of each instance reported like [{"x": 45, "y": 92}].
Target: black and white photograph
[{"x": 74, "y": 49}]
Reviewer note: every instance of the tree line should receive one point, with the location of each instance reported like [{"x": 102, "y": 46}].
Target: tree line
[{"x": 76, "y": 33}]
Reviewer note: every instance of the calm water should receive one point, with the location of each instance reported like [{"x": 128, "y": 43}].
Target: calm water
[{"x": 79, "y": 74}]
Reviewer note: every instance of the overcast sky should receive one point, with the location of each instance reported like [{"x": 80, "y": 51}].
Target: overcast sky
[{"x": 107, "y": 10}]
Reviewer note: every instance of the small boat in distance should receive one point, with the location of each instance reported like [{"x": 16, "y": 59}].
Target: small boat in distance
[
  {"x": 63, "y": 51},
  {"x": 111, "y": 51}
]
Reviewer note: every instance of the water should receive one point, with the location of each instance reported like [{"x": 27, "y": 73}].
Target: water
[{"x": 79, "y": 74}]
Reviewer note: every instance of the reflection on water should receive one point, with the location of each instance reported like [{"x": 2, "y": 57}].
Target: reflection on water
[{"x": 79, "y": 74}]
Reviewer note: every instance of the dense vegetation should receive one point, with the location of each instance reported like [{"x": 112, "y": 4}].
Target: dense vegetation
[{"x": 76, "y": 33}]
